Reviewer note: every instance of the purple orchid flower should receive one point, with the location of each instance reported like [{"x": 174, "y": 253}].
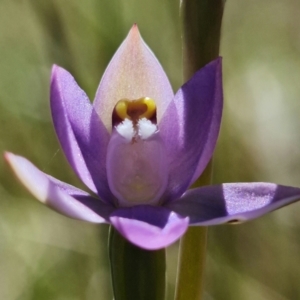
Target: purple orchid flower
[{"x": 138, "y": 148}]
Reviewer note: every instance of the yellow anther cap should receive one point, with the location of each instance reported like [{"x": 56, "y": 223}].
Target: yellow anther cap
[
  {"x": 136, "y": 109},
  {"x": 121, "y": 109}
]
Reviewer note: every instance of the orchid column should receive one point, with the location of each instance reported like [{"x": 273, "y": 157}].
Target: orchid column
[{"x": 201, "y": 31}]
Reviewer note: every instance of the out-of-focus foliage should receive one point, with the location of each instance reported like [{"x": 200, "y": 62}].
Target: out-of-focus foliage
[{"x": 46, "y": 256}]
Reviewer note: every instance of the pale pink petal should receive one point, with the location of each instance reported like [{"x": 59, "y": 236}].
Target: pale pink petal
[
  {"x": 57, "y": 195},
  {"x": 133, "y": 72}
]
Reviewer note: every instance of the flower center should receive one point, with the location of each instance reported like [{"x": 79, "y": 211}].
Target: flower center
[
  {"x": 134, "y": 110},
  {"x": 136, "y": 160}
]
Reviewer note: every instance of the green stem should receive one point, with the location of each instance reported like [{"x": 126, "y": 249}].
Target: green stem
[
  {"x": 136, "y": 273},
  {"x": 201, "y": 30},
  {"x": 192, "y": 253}
]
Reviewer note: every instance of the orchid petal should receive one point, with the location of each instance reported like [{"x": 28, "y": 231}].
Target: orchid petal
[
  {"x": 233, "y": 202},
  {"x": 95, "y": 204},
  {"x": 137, "y": 171},
  {"x": 133, "y": 72},
  {"x": 60, "y": 196},
  {"x": 149, "y": 227},
  {"x": 191, "y": 126},
  {"x": 62, "y": 125},
  {"x": 80, "y": 131}
]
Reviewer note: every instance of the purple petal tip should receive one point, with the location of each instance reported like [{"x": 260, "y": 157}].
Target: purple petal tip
[{"x": 149, "y": 227}]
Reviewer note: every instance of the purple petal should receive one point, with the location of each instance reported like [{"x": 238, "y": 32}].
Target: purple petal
[
  {"x": 95, "y": 204},
  {"x": 81, "y": 133},
  {"x": 62, "y": 125},
  {"x": 62, "y": 197},
  {"x": 149, "y": 227},
  {"x": 137, "y": 171},
  {"x": 133, "y": 72},
  {"x": 191, "y": 126},
  {"x": 233, "y": 202}
]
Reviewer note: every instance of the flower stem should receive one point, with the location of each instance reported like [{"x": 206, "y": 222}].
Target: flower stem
[
  {"x": 192, "y": 253},
  {"x": 201, "y": 30},
  {"x": 136, "y": 273}
]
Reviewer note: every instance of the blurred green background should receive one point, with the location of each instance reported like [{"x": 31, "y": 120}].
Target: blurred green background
[{"x": 44, "y": 255}]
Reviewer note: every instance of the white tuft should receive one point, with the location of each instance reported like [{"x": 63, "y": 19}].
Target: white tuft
[
  {"x": 126, "y": 130},
  {"x": 146, "y": 128}
]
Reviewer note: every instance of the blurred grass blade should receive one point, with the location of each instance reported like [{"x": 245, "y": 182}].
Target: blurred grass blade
[
  {"x": 201, "y": 30},
  {"x": 136, "y": 273}
]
